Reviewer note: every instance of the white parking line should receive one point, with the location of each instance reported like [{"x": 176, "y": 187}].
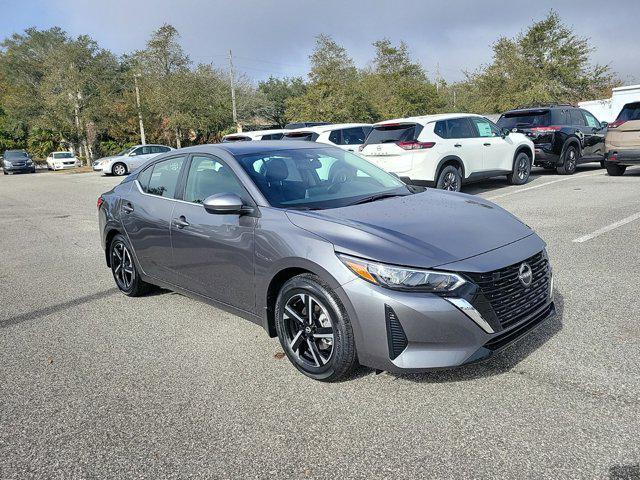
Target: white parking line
[
  {"x": 608, "y": 228},
  {"x": 533, "y": 187}
]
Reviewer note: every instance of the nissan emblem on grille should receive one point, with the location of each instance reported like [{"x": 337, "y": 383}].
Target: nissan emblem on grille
[{"x": 525, "y": 275}]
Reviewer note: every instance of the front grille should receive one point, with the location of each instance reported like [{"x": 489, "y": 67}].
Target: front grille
[
  {"x": 509, "y": 299},
  {"x": 505, "y": 338}
]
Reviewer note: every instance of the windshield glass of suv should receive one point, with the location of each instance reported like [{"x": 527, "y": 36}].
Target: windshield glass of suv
[
  {"x": 534, "y": 118},
  {"x": 631, "y": 111},
  {"x": 15, "y": 155},
  {"x": 63, "y": 155},
  {"x": 318, "y": 178}
]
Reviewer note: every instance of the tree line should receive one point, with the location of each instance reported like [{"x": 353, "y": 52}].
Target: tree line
[{"x": 61, "y": 92}]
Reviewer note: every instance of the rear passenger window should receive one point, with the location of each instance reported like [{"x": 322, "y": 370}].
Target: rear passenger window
[
  {"x": 143, "y": 178},
  {"x": 354, "y": 136},
  {"x": 576, "y": 117},
  {"x": 163, "y": 178},
  {"x": 460, "y": 128}
]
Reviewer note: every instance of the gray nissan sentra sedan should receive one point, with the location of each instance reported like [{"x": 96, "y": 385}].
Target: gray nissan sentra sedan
[{"x": 342, "y": 261}]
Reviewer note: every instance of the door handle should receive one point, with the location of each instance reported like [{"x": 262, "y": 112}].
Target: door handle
[
  {"x": 487, "y": 144},
  {"x": 127, "y": 208},
  {"x": 458, "y": 145},
  {"x": 181, "y": 222}
]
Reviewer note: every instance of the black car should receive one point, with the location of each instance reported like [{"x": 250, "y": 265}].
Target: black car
[
  {"x": 17, "y": 161},
  {"x": 564, "y": 135}
]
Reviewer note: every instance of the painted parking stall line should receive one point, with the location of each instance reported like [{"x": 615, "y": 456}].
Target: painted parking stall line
[
  {"x": 608, "y": 228},
  {"x": 533, "y": 187}
]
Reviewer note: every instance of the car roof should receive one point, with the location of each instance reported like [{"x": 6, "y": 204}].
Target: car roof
[
  {"x": 327, "y": 128},
  {"x": 424, "y": 119},
  {"x": 263, "y": 146}
]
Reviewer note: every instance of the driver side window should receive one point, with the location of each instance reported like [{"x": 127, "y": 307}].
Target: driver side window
[{"x": 208, "y": 176}]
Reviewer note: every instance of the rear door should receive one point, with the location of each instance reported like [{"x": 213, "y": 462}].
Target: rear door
[
  {"x": 382, "y": 146},
  {"x": 468, "y": 144},
  {"x": 213, "y": 253},
  {"x": 145, "y": 213},
  {"x": 498, "y": 151}
]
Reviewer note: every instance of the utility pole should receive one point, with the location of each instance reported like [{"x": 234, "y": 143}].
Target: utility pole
[
  {"x": 233, "y": 92},
  {"x": 142, "y": 137}
]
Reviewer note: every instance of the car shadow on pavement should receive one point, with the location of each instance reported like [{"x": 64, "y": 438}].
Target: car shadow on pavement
[
  {"x": 503, "y": 361},
  {"x": 43, "y": 312}
]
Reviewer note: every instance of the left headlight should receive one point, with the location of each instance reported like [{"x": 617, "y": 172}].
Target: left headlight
[{"x": 402, "y": 278}]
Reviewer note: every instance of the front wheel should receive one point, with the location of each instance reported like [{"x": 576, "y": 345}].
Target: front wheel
[
  {"x": 521, "y": 170},
  {"x": 124, "y": 269},
  {"x": 314, "y": 329},
  {"x": 569, "y": 161},
  {"x": 615, "y": 170},
  {"x": 119, "y": 169},
  {"x": 449, "y": 179}
]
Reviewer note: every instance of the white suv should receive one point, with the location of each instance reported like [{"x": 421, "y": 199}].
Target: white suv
[
  {"x": 348, "y": 136},
  {"x": 449, "y": 149}
]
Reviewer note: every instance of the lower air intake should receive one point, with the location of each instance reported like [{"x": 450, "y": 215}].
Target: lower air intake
[{"x": 395, "y": 334}]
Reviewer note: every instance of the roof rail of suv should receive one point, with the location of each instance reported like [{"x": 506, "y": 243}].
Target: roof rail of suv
[{"x": 544, "y": 105}]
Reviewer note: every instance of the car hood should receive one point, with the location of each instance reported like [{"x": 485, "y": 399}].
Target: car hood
[{"x": 421, "y": 230}]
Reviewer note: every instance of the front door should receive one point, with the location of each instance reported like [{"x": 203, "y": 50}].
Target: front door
[
  {"x": 594, "y": 137},
  {"x": 213, "y": 253},
  {"x": 145, "y": 212}
]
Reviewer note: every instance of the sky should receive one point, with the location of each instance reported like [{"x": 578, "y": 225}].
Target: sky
[{"x": 276, "y": 37}]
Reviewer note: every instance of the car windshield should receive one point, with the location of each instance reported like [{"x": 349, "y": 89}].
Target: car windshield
[
  {"x": 535, "y": 118},
  {"x": 631, "y": 111},
  {"x": 15, "y": 154},
  {"x": 318, "y": 178},
  {"x": 63, "y": 155}
]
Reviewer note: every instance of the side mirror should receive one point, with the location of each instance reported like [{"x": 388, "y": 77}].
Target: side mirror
[
  {"x": 505, "y": 132},
  {"x": 604, "y": 124},
  {"x": 225, "y": 204}
]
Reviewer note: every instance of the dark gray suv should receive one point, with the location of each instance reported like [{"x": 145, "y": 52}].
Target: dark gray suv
[{"x": 342, "y": 261}]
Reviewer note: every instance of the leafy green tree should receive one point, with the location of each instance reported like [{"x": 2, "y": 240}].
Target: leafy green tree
[
  {"x": 333, "y": 93},
  {"x": 396, "y": 86},
  {"x": 546, "y": 63},
  {"x": 277, "y": 91}
]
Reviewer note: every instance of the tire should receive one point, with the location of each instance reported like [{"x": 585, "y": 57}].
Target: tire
[
  {"x": 449, "y": 179},
  {"x": 615, "y": 170},
  {"x": 521, "y": 170},
  {"x": 603, "y": 164},
  {"x": 570, "y": 158},
  {"x": 323, "y": 347},
  {"x": 124, "y": 269},
  {"x": 119, "y": 169}
]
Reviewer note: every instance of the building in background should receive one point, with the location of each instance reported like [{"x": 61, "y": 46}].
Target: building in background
[{"x": 607, "y": 110}]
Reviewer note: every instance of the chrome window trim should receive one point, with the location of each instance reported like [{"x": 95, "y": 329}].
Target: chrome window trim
[{"x": 468, "y": 309}]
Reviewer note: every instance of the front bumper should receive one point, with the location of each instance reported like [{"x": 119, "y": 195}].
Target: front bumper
[
  {"x": 623, "y": 157},
  {"x": 64, "y": 166},
  {"x": 405, "y": 332},
  {"x": 97, "y": 167},
  {"x": 19, "y": 169}
]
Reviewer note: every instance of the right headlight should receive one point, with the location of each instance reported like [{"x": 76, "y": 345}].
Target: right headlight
[{"x": 402, "y": 278}]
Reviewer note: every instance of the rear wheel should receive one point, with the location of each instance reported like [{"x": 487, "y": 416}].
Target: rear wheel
[
  {"x": 615, "y": 170},
  {"x": 570, "y": 159},
  {"x": 449, "y": 179},
  {"x": 314, "y": 329},
  {"x": 124, "y": 269},
  {"x": 521, "y": 170},
  {"x": 119, "y": 169}
]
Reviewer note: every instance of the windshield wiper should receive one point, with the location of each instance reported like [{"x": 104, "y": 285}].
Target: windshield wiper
[{"x": 378, "y": 196}]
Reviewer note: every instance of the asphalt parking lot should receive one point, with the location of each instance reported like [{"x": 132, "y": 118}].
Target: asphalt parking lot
[{"x": 94, "y": 384}]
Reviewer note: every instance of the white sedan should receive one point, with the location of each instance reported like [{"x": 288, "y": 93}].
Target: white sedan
[
  {"x": 128, "y": 160},
  {"x": 62, "y": 161}
]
